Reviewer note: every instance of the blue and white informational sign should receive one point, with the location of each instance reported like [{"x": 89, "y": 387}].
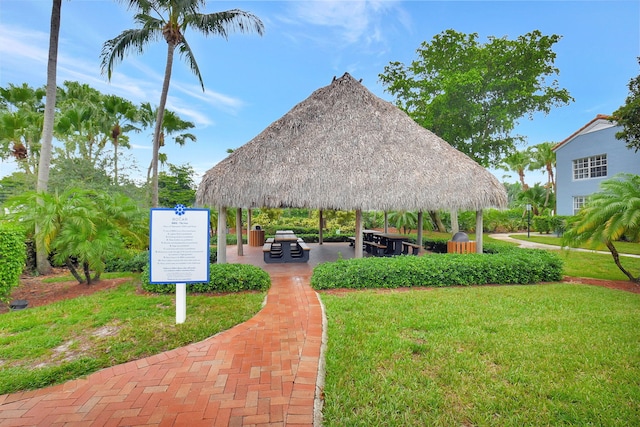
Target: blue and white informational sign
[{"x": 179, "y": 245}]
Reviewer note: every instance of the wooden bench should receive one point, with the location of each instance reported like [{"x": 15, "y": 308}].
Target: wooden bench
[
  {"x": 375, "y": 249},
  {"x": 415, "y": 248},
  {"x": 352, "y": 241}
]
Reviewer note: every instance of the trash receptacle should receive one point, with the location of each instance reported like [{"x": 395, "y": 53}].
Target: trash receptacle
[
  {"x": 256, "y": 236},
  {"x": 460, "y": 244}
]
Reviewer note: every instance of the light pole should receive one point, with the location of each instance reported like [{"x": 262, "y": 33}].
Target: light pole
[{"x": 528, "y": 220}]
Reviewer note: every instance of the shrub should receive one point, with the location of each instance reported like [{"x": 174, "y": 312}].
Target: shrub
[
  {"x": 13, "y": 253},
  {"x": 222, "y": 278},
  {"x": 542, "y": 224},
  {"x": 130, "y": 261},
  {"x": 508, "y": 266}
]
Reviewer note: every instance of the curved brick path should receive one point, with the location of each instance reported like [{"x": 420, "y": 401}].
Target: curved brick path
[{"x": 262, "y": 372}]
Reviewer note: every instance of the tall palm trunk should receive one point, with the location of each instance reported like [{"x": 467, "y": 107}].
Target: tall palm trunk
[
  {"x": 156, "y": 134},
  {"x": 42, "y": 262}
]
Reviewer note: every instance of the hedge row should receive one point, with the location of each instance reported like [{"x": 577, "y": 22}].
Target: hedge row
[
  {"x": 222, "y": 278},
  {"x": 13, "y": 254},
  {"x": 514, "y": 266}
]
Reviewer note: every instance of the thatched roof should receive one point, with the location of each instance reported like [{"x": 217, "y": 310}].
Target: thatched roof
[{"x": 344, "y": 148}]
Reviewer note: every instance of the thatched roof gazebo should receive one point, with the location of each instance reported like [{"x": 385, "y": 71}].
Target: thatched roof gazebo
[{"x": 344, "y": 148}]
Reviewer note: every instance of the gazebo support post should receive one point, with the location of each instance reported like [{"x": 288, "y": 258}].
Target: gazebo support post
[
  {"x": 479, "y": 228},
  {"x": 358, "y": 243},
  {"x": 320, "y": 234},
  {"x": 420, "y": 227},
  {"x": 248, "y": 221},
  {"x": 386, "y": 221},
  {"x": 239, "y": 243},
  {"x": 455, "y": 227},
  {"x": 222, "y": 235}
]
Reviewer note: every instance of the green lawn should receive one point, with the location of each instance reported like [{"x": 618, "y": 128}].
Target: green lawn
[
  {"x": 551, "y": 239},
  {"x": 486, "y": 356},
  {"x": 72, "y": 338}
]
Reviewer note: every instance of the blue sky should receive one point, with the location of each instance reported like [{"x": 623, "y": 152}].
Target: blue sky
[{"x": 252, "y": 81}]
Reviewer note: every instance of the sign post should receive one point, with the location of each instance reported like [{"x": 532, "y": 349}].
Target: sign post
[{"x": 179, "y": 250}]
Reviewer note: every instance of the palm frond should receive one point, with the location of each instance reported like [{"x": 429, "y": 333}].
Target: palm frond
[
  {"x": 220, "y": 23},
  {"x": 187, "y": 54},
  {"x": 133, "y": 40}
]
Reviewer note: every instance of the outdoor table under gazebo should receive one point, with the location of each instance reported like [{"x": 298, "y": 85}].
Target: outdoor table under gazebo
[{"x": 334, "y": 150}]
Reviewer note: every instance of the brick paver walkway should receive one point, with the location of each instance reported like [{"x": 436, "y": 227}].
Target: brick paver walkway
[{"x": 262, "y": 372}]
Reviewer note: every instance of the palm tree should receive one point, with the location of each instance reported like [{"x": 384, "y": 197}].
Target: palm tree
[
  {"x": 44, "y": 162},
  {"x": 21, "y": 125},
  {"x": 545, "y": 158},
  {"x": 169, "y": 19},
  {"x": 121, "y": 115},
  {"x": 518, "y": 162},
  {"x": 611, "y": 214},
  {"x": 171, "y": 124}
]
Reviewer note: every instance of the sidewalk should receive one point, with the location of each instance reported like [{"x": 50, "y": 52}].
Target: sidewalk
[
  {"x": 262, "y": 372},
  {"x": 505, "y": 237}
]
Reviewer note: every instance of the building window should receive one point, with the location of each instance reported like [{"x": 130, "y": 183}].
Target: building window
[
  {"x": 590, "y": 167},
  {"x": 578, "y": 203}
]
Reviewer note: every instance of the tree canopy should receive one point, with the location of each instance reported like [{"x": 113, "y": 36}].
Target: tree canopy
[
  {"x": 472, "y": 94},
  {"x": 628, "y": 115}
]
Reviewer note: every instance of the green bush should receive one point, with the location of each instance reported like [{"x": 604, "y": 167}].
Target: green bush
[
  {"x": 13, "y": 254},
  {"x": 542, "y": 224},
  {"x": 222, "y": 278},
  {"x": 131, "y": 261},
  {"x": 508, "y": 266}
]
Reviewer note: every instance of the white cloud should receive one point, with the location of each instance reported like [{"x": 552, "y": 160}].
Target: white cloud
[{"x": 357, "y": 21}]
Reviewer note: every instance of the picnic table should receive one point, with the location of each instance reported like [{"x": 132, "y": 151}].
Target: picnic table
[
  {"x": 378, "y": 243},
  {"x": 285, "y": 247}
]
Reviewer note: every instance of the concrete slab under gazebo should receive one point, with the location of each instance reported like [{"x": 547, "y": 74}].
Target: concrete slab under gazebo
[{"x": 343, "y": 148}]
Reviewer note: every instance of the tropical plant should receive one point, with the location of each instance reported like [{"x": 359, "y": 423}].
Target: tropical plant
[
  {"x": 543, "y": 157},
  {"x": 404, "y": 220},
  {"x": 21, "y": 125},
  {"x": 518, "y": 162},
  {"x": 611, "y": 214},
  {"x": 169, "y": 19},
  {"x": 540, "y": 200},
  {"x": 121, "y": 115},
  {"x": 81, "y": 228},
  {"x": 172, "y": 125}
]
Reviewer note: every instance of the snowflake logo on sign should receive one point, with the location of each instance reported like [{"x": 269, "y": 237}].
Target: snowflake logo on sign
[{"x": 180, "y": 209}]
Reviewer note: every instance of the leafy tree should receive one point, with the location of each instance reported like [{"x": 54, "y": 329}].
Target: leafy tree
[
  {"x": 628, "y": 115},
  {"x": 472, "y": 94},
  {"x": 177, "y": 186},
  {"x": 611, "y": 214},
  {"x": 168, "y": 19}
]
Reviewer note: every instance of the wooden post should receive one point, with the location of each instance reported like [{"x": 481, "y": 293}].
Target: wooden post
[
  {"x": 358, "y": 243},
  {"x": 420, "y": 227},
  {"x": 386, "y": 222},
  {"x": 320, "y": 234},
  {"x": 239, "y": 244},
  {"x": 479, "y": 228},
  {"x": 222, "y": 235}
]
